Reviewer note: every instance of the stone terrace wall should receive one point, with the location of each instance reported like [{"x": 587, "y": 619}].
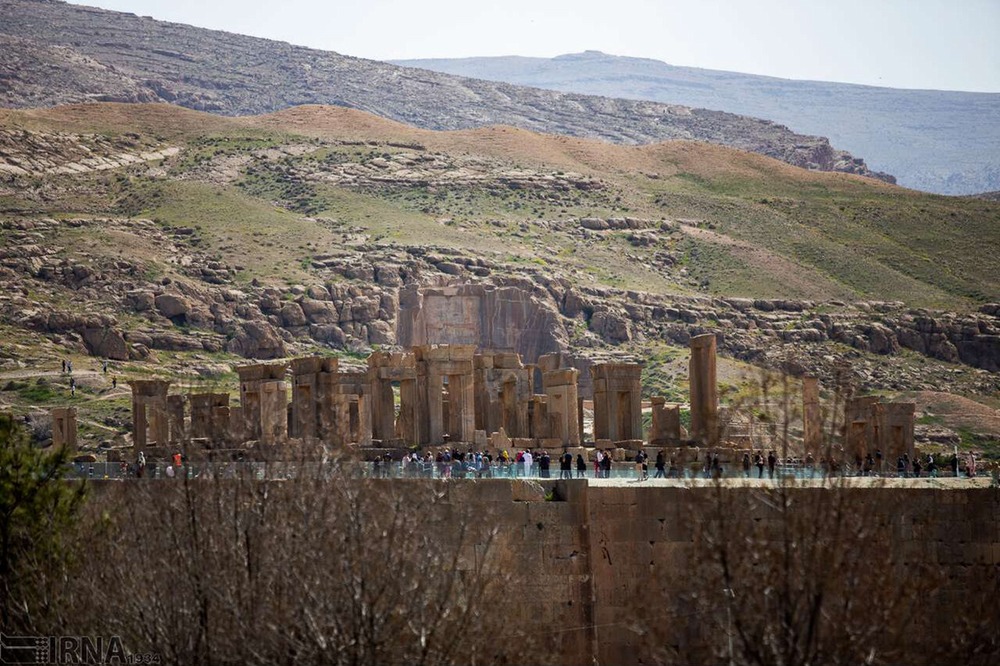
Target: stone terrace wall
[{"x": 589, "y": 553}]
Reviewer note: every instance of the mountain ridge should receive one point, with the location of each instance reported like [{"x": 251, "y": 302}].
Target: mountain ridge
[
  {"x": 940, "y": 141},
  {"x": 59, "y": 53}
]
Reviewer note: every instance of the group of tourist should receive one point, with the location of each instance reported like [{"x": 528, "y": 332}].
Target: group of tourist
[{"x": 452, "y": 463}]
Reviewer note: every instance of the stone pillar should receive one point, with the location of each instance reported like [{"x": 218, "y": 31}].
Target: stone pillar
[
  {"x": 273, "y": 411},
  {"x": 410, "y": 417},
  {"x": 252, "y": 378},
  {"x": 347, "y": 409},
  {"x": 666, "y": 427},
  {"x": 237, "y": 425},
  {"x": 64, "y": 427},
  {"x": 210, "y": 418},
  {"x": 704, "y": 390},
  {"x": 502, "y": 393},
  {"x": 861, "y": 431},
  {"x": 434, "y": 363},
  {"x": 539, "y": 414},
  {"x": 175, "y": 418},
  {"x": 304, "y": 423},
  {"x": 812, "y": 435},
  {"x": 384, "y": 370},
  {"x": 617, "y": 401},
  {"x": 897, "y": 435},
  {"x": 150, "y": 423},
  {"x": 562, "y": 403}
]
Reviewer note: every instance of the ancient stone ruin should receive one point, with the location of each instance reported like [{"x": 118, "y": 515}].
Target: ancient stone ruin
[
  {"x": 64, "y": 427},
  {"x": 450, "y": 394}
]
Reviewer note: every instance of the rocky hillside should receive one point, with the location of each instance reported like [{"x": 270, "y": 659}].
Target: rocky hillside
[
  {"x": 130, "y": 232},
  {"x": 933, "y": 140},
  {"x": 55, "y": 53}
]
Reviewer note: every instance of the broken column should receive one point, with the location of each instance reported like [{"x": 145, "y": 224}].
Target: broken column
[
  {"x": 210, "y": 417},
  {"x": 64, "y": 427},
  {"x": 704, "y": 391},
  {"x": 617, "y": 401},
  {"x": 666, "y": 426},
  {"x": 150, "y": 423},
  {"x": 812, "y": 436}
]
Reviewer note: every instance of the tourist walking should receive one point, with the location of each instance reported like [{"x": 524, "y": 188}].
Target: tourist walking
[
  {"x": 581, "y": 466},
  {"x": 772, "y": 460},
  {"x": 760, "y": 464},
  {"x": 661, "y": 462},
  {"x": 526, "y": 462},
  {"x": 746, "y": 464}
]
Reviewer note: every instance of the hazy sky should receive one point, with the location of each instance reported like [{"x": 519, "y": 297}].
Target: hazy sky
[{"x": 943, "y": 44}]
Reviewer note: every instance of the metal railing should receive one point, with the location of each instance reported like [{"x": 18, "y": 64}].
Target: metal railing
[{"x": 442, "y": 470}]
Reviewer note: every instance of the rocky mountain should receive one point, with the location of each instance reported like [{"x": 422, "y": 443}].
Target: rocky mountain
[
  {"x": 938, "y": 141},
  {"x": 55, "y": 53}
]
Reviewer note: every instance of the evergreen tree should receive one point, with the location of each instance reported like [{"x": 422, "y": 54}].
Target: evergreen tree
[{"x": 36, "y": 506}]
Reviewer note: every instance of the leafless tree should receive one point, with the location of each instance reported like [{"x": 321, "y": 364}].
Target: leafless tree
[
  {"x": 318, "y": 569},
  {"x": 795, "y": 572}
]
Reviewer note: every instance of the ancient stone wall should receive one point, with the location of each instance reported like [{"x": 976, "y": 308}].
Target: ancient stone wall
[{"x": 586, "y": 556}]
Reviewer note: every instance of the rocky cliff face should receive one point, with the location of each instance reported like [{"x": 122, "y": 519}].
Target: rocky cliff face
[
  {"x": 56, "y": 53},
  {"x": 405, "y": 296}
]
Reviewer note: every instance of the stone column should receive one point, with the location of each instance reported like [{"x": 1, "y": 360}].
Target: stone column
[
  {"x": 348, "y": 399},
  {"x": 562, "y": 403},
  {"x": 410, "y": 418},
  {"x": 305, "y": 395},
  {"x": 462, "y": 401},
  {"x": 617, "y": 401},
  {"x": 704, "y": 391},
  {"x": 898, "y": 434},
  {"x": 273, "y": 411},
  {"x": 64, "y": 427},
  {"x": 433, "y": 364},
  {"x": 252, "y": 378},
  {"x": 175, "y": 418},
  {"x": 812, "y": 436},
  {"x": 666, "y": 427},
  {"x": 861, "y": 436},
  {"x": 539, "y": 414},
  {"x": 435, "y": 407},
  {"x": 150, "y": 424}
]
